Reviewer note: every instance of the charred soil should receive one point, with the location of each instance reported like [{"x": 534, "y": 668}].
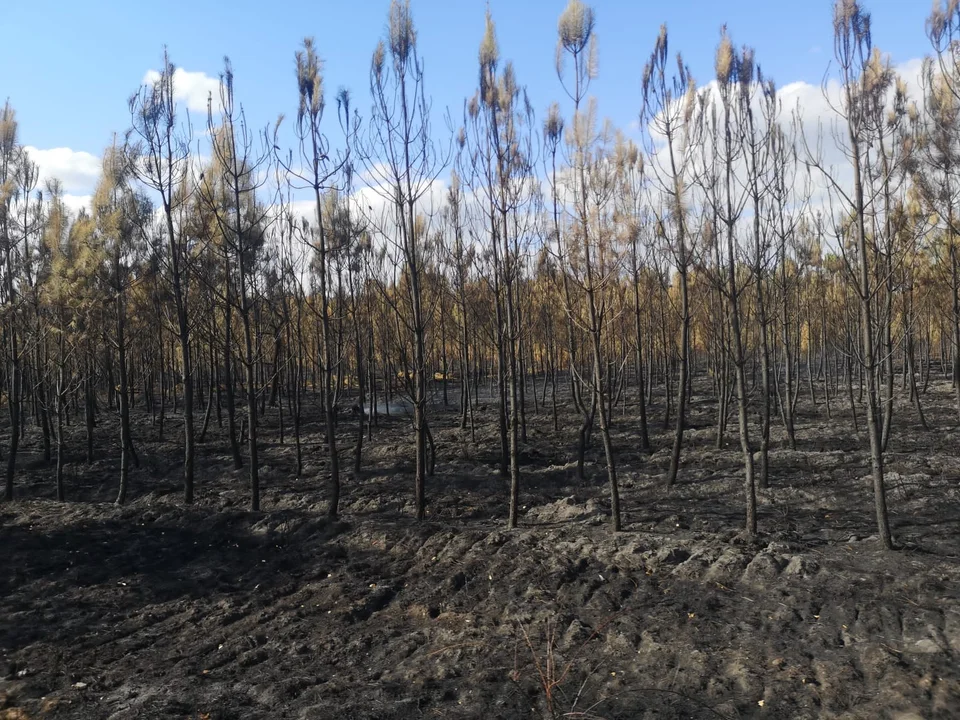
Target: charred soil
[{"x": 157, "y": 610}]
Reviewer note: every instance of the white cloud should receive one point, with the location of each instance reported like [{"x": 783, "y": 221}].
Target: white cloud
[
  {"x": 77, "y": 202},
  {"x": 816, "y": 107},
  {"x": 375, "y": 204},
  {"x": 304, "y": 209},
  {"x": 192, "y": 88},
  {"x": 912, "y": 73},
  {"x": 77, "y": 170}
]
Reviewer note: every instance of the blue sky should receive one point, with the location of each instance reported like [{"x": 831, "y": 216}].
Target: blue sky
[{"x": 68, "y": 67}]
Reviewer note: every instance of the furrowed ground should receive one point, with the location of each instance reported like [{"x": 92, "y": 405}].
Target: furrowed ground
[{"x": 156, "y": 610}]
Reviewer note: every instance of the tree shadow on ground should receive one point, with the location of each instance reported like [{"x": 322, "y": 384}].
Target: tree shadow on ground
[{"x": 65, "y": 583}]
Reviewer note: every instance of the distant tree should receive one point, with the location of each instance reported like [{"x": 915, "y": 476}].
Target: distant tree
[
  {"x": 402, "y": 163},
  {"x": 238, "y": 171},
  {"x": 728, "y": 202},
  {"x": 668, "y": 106},
  {"x": 936, "y": 174},
  {"x": 320, "y": 168},
  {"x": 460, "y": 260},
  {"x": 121, "y": 223},
  {"x": 64, "y": 291},
  {"x": 635, "y": 222},
  {"x": 159, "y": 148},
  {"x": 499, "y": 123},
  {"x": 15, "y": 169},
  {"x": 594, "y": 262},
  {"x": 864, "y": 87}
]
